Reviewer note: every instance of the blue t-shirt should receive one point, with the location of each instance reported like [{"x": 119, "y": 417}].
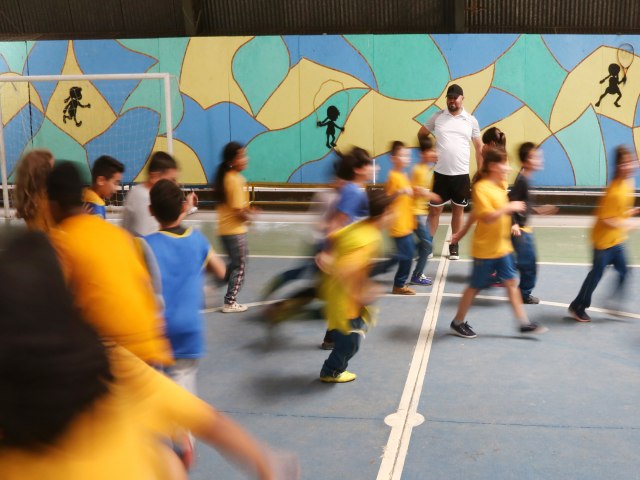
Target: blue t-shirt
[
  {"x": 353, "y": 202},
  {"x": 182, "y": 260}
]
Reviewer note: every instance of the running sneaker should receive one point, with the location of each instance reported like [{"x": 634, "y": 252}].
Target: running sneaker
[
  {"x": 234, "y": 307},
  {"x": 343, "y": 377},
  {"x": 403, "y": 291},
  {"x": 430, "y": 256},
  {"x": 421, "y": 280},
  {"x": 453, "y": 252},
  {"x": 530, "y": 300},
  {"x": 579, "y": 316},
  {"x": 533, "y": 327},
  {"x": 462, "y": 330}
]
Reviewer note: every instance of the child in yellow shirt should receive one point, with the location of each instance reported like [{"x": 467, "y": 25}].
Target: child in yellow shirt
[
  {"x": 609, "y": 232},
  {"x": 106, "y": 175},
  {"x": 492, "y": 247}
]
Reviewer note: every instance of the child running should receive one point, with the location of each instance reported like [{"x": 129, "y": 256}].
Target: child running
[
  {"x": 106, "y": 176},
  {"x": 105, "y": 272},
  {"x": 521, "y": 232},
  {"x": 420, "y": 181},
  {"x": 492, "y": 245},
  {"x": 234, "y": 214},
  {"x": 610, "y": 232},
  {"x": 182, "y": 255},
  {"x": 347, "y": 288}
]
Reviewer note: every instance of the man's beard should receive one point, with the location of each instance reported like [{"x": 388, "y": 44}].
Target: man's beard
[{"x": 452, "y": 107}]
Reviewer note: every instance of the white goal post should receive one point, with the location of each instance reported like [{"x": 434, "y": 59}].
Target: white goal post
[{"x": 166, "y": 85}]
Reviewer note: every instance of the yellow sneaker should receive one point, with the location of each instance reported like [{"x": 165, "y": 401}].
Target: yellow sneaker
[
  {"x": 344, "y": 377},
  {"x": 403, "y": 291}
]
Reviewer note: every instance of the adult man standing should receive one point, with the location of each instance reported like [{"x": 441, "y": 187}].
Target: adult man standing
[{"x": 453, "y": 128}]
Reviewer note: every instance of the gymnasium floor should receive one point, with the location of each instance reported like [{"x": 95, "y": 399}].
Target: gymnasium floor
[{"x": 426, "y": 404}]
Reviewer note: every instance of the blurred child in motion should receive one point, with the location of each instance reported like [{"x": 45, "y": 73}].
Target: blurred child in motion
[
  {"x": 74, "y": 408},
  {"x": 610, "y": 232},
  {"x": 491, "y": 249},
  {"x": 32, "y": 203},
  {"x": 347, "y": 289}
]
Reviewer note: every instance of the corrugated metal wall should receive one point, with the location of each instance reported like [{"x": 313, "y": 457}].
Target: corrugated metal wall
[{"x": 39, "y": 19}]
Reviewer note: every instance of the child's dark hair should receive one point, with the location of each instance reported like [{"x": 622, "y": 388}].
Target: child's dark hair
[
  {"x": 105, "y": 166},
  {"x": 494, "y": 136},
  {"x": 491, "y": 156},
  {"x": 166, "y": 201},
  {"x": 53, "y": 365},
  {"x": 379, "y": 201},
  {"x": 229, "y": 153},
  {"x": 525, "y": 150},
  {"x": 346, "y": 165},
  {"x": 620, "y": 152},
  {"x": 64, "y": 186},
  {"x": 426, "y": 143},
  {"x": 161, "y": 162},
  {"x": 396, "y": 146}
]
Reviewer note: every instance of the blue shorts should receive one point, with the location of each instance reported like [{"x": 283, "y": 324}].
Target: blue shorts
[{"x": 505, "y": 267}]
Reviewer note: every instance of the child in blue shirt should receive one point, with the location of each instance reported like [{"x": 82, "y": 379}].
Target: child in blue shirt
[
  {"x": 182, "y": 255},
  {"x": 106, "y": 176}
]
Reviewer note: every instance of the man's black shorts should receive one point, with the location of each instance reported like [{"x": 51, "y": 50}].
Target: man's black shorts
[{"x": 454, "y": 188}]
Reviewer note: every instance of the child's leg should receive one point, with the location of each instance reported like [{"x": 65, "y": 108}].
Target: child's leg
[
  {"x": 619, "y": 262},
  {"x": 346, "y": 346},
  {"x": 515, "y": 299},
  {"x": 236, "y": 248},
  {"x": 526, "y": 262},
  {"x": 405, "y": 247},
  {"x": 465, "y": 303},
  {"x": 424, "y": 245},
  {"x": 184, "y": 372},
  {"x": 601, "y": 259}
]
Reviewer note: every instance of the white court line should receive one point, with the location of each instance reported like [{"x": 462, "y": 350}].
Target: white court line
[
  {"x": 560, "y": 264},
  {"x": 407, "y": 416}
]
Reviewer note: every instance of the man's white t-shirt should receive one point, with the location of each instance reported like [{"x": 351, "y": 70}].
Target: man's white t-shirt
[
  {"x": 136, "y": 218},
  {"x": 453, "y": 140}
]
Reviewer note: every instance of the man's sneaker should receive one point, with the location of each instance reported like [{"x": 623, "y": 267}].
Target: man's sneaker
[
  {"x": 343, "y": 377},
  {"x": 453, "y": 252},
  {"x": 530, "y": 300},
  {"x": 403, "y": 291},
  {"x": 327, "y": 345},
  {"x": 421, "y": 280},
  {"x": 463, "y": 330},
  {"x": 579, "y": 316},
  {"x": 234, "y": 307},
  {"x": 533, "y": 327},
  {"x": 430, "y": 256}
]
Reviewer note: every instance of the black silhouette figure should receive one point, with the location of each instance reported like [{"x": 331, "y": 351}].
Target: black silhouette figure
[
  {"x": 332, "y": 115},
  {"x": 613, "y": 89},
  {"x": 72, "y": 103}
]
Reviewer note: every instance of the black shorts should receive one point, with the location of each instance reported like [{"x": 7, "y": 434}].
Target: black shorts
[{"x": 451, "y": 188}]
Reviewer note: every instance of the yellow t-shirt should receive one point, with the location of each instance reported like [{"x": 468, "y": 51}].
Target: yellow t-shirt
[
  {"x": 490, "y": 240},
  {"x": 105, "y": 271},
  {"x": 237, "y": 197},
  {"x": 421, "y": 176},
  {"x": 404, "y": 221},
  {"x": 615, "y": 204},
  {"x": 354, "y": 248},
  {"x": 119, "y": 435}
]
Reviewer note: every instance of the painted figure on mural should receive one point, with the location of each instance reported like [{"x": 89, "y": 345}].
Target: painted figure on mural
[
  {"x": 330, "y": 122},
  {"x": 613, "y": 89},
  {"x": 72, "y": 102}
]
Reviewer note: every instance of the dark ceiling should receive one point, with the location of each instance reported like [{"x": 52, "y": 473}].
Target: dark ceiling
[{"x": 71, "y": 19}]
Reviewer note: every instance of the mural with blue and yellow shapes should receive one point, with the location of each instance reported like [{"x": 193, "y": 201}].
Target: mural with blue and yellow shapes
[{"x": 295, "y": 100}]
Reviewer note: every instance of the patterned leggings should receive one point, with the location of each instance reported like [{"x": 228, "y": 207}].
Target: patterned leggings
[{"x": 236, "y": 247}]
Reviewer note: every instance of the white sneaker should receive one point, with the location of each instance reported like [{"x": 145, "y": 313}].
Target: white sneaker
[
  {"x": 430, "y": 256},
  {"x": 234, "y": 307}
]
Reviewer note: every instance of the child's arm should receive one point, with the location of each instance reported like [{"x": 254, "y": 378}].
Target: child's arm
[
  {"x": 604, "y": 79},
  {"x": 215, "y": 265},
  {"x": 322, "y": 123}
]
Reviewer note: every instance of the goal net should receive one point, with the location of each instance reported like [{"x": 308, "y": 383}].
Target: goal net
[{"x": 81, "y": 117}]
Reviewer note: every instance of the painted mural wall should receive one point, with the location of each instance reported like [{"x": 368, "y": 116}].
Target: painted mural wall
[{"x": 294, "y": 100}]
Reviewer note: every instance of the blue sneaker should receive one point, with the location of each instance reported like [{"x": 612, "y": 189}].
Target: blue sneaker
[{"x": 421, "y": 280}]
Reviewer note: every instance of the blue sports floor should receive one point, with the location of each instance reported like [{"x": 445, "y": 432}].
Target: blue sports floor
[{"x": 429, "y": 405}]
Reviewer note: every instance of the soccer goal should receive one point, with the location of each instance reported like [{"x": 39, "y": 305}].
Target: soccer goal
[{"x": 80, "y": 117}]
